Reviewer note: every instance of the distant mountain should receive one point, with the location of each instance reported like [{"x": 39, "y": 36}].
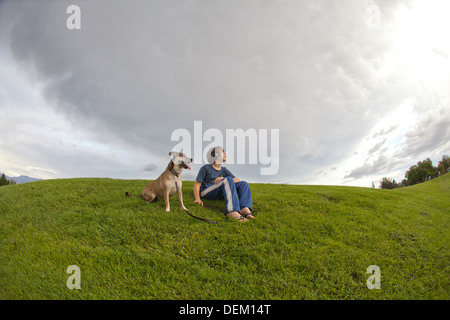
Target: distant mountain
[{"x": 22, "y": 179}]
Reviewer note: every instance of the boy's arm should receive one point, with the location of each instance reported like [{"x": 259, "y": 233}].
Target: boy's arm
[
  {"x": 221, "y": 178},
  {"x": 197, "y": 193}
]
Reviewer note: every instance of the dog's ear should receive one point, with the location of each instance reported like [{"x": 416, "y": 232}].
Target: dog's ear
[{"x": 173, "y": 153}]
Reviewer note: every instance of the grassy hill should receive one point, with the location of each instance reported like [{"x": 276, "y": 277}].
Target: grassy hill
[{"x": 307, "y": 242}]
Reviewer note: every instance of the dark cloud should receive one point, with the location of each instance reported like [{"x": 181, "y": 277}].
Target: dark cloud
[
  {"x": 428, "y": 137},
  {"x": 384, "y": 132},
  {"x": 431, "y": 133},
  {"x": 150, "y": 167},
  {"x": 377, "y": 146},
  {"x": 380, "y": 166}
]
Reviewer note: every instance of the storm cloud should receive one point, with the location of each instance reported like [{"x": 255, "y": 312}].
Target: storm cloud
[{"x": 137, "y": 71}]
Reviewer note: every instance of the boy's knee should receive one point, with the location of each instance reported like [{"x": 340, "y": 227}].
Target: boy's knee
[
  {"x": 243, "y": 183},
  {"x": 230, "y": 179}
]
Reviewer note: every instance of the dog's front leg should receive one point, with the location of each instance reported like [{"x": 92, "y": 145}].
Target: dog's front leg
[
  {"x": 166, "y": 199},
  {"x": 181, "y": 197}
]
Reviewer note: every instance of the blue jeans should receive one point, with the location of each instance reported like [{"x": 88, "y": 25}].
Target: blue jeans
[{"x": 237, "y": 195}]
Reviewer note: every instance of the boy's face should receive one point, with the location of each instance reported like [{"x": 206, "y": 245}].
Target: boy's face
[{"x": 221, "y": 158}]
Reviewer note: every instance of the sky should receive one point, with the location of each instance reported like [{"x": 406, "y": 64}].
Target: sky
[{"x": 357, "y": 90}]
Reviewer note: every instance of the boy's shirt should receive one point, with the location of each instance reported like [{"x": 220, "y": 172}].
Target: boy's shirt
[{"x": 207, "y": 174}]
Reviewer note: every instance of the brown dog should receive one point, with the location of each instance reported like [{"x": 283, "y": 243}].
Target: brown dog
[{"x": 164, "y": 186}]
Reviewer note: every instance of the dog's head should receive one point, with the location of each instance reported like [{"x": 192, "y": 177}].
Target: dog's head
[{"x": 179, "y": 160}]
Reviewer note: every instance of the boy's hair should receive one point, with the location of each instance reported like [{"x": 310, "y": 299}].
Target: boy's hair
[{"x": 214, "y": 155}]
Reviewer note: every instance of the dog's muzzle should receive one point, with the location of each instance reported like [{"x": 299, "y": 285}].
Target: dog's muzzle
[{"x": 185, "y": 165}]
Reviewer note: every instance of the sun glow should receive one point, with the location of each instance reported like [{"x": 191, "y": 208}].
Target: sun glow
[{"x": 423, "y": 41}]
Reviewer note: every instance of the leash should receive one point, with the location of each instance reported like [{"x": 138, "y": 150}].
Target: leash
[{"x": 182, "y": 206}]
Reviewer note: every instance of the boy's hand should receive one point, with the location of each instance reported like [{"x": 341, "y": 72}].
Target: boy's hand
[
  {"x": 199, "y": 202},
  {"x": 218, "y": 180}
]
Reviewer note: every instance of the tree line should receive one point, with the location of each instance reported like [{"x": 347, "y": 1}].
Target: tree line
[
  {"x": 418, "y": 173},
  {"x": 4, "y": 181}
]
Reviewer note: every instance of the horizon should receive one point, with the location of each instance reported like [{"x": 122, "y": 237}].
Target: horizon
[{"x": 375, "y": 186}]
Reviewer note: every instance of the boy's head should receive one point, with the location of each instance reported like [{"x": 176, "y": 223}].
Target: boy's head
[{"x": 217, "y": 155}]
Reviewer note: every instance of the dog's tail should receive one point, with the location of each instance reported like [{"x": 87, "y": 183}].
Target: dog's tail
[{"x": 132, "y": 196}]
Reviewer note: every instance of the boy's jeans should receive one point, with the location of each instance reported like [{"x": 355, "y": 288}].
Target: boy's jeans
[{"x": 236, "y": 195}]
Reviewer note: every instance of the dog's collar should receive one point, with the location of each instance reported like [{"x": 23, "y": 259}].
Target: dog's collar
[{"x": 176, "y": 174}]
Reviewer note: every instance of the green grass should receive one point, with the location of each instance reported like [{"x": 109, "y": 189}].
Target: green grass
[{"x": 307, "y": 242}]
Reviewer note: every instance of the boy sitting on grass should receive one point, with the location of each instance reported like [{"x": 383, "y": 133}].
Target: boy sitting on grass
[{"x": 215, "y": 182}]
